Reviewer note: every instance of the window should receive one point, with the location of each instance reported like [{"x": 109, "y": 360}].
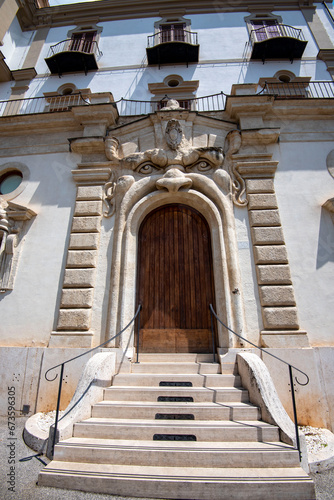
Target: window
[
  {"x": 10, "y": 181},
  {"x": 83, "y": 42},
  {"x": 172, "y": 32},
  {"x": 265, "y": 29}
]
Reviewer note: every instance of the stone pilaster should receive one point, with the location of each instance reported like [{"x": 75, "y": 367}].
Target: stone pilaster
[
  {"x": 73, "y": 327},
  {"x": 278, "y": 305}
]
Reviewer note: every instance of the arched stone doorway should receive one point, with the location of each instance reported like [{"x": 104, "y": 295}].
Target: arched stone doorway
[{"x": 175, "y": 280}]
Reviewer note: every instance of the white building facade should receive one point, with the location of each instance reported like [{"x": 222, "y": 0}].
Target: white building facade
[{"x": 91, "y": 146}]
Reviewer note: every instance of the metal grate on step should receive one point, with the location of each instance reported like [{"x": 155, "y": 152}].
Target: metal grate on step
[
  {"x": 175, "y": 384},
  {"x": 174, "y": 416},
  {"x": 176, "y": 399},
  {"x": 174, "y": 437}
]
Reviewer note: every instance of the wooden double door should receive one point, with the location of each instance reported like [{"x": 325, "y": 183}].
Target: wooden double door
[{"x": 175, "y": 281}]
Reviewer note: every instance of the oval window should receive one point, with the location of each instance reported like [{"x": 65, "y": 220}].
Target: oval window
[{"x": 10, "y": 181}]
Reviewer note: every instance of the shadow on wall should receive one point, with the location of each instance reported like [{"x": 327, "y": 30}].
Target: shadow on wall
[{"x": 326, "y": 239}]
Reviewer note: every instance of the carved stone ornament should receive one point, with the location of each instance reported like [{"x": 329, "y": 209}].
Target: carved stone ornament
[
  {"x": 12, "y": 218},
  {"x": 233, "y": 144},
  {"x": 173, "y": 134}
]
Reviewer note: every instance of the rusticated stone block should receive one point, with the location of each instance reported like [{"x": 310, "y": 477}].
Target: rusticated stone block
[
  {"x": 267, "y": 235},
  {"x": 274, "y": 274},
  {"x": 276, "y": 318},
  {"x": 74, "y": 319},
  {"x": 88, "y": 208},
  {"x": 264, "y": 218},
  {"x": 89, "y": 193},
  {"x": 77, "y": 278},
  {"x": 277, "y": 295},
  {"x": 81, "y": 258},
  {"x": 268, "y": 254},
  {"x": 78, "y": 297},
  {"x": 89, "y": 241},
  {"x": 259, "y": 201},
  {"x": 260, "y": 186},
  {"x": 86, "y": 224}
]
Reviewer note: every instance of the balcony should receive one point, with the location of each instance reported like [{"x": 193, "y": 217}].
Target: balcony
[
  {"x": 73, "y": 55},
  {"x": 277, "y": 41},
  {"x": 172, "y": 46}
]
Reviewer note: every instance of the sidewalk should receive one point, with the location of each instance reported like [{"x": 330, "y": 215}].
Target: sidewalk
[{"x": 25, "y": 474}]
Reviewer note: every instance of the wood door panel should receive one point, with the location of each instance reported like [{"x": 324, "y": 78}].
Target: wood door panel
[
  {"x": 175, "y": 340},
  {"x": 175, "y": 279}
]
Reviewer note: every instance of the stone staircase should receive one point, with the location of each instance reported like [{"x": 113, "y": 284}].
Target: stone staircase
[{"x": 175, "y": 427}]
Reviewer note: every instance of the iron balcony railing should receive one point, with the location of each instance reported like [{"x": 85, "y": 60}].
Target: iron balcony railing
[
  {"x": 300, "y": 90},
  {"x": 132, "y": 107},
  {"x": 173, "y": 35},
  {"x": 74, "y": 45},
  {"x": 275, "y": 31},
  {"x": 34, "y": 105}
]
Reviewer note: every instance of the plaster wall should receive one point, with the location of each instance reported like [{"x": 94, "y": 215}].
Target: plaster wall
[
  {"x": 303, "y": 184},
  {"x": 28, "y": 311},
  {"x": 252, "y": 306},
  {"x": 16, "y": 44}
]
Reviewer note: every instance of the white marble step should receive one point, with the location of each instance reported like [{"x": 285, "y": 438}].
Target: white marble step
[
  {"x": 200, "y": 411},
  {"x": 181, "y": 482},
  {"x": 197, "y": 380},
  {"x": 208, "y": 430},
  {"x": 128, "y": 393},
  {"x": 177, "y": 454},
  {"x": 175, "y": 367},
  {"x": 175, "y": 357}
]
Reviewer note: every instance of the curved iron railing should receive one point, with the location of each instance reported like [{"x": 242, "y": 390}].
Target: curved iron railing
[
  {"x": 173, "y": 35},
  {"x": 212, "y": 311},
  {"x": 62, "y": 365},
  {"x": 275, "y": 31},
  {"x": 70, "y": 45}
]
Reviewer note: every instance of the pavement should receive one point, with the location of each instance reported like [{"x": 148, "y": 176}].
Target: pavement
[{"x": 22, "y": 476}]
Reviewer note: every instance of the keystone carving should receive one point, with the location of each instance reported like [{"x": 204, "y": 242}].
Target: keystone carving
[{"x": 12, "y": 218}]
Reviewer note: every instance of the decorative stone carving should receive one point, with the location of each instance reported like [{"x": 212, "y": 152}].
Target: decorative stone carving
[
  {"x": 114, "y": 191},
  {"x": 173, "y": 134},
  {"x": 12, "y": 218}
]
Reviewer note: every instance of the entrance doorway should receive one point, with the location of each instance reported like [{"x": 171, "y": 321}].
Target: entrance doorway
[{"x": 175, "y": 281}]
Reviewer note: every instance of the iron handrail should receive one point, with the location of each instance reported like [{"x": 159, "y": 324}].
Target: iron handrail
[
  {"x": 62, "y": 365},
  {"x": 212, "y": 311}
]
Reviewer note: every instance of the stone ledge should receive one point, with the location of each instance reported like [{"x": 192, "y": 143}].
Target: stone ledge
[
  {"x": 268, "y": 217},
  {"x": 274, "y": 274},
  {"x": 284, "y": 338},
  {"x": 71, "y": 339},
  {"x": 267, "y": 235},
  {"x": 274, "y": 254},
  {"x": 277, "y": 318},
  {"x": 84, "y": 241}
]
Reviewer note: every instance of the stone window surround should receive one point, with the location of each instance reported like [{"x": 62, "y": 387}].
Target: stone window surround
[
  {"x": 86, "y": 28},
  {"x": 261, "y": 16},
  {"x": 172, "y": 19}
]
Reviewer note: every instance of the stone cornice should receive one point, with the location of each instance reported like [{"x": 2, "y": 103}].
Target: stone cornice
[{"x": 31, "y": 17}]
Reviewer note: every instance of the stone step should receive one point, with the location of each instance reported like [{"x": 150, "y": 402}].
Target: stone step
[
  {"x": 218, "y": 395},
  {"x": 175, "y": 357},
  {"x": 196, "y": 380},
  {"x": 175, "y": 367},
  {"x": 180, "y": 482},
  {"x": 200, "y": 411},
  {"x": 177, "y": 454},
  {"x": 208, "y": 430}
]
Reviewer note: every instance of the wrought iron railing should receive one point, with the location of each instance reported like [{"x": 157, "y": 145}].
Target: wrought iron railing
[
  {"x": 129, "y": 107},
  {"x": 300, "y": 90},
  {"x": 275, "y": 31},
  {"x": 291, "y": 367},
  {"x": 133, "y": 107},
  {"x": 62, "y": 366},
  {"x": 173, "y": 35},
  {"x": 33, "y": 105},
  {"x": 74, "y": 45}
]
